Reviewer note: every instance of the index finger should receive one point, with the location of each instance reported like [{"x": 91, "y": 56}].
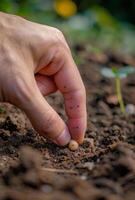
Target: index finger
[{"x": 69, "y": 82}]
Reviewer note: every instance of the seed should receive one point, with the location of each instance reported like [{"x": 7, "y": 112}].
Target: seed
[{"x": 73, "y": 145}]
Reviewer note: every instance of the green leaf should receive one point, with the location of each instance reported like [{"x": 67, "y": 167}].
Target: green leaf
[
  {"x": 125, "y": 71},
  {"x": 115, "y": 72},
  {"x": 107, "y": 72}
]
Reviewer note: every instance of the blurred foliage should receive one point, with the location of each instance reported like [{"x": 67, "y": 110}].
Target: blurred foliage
[
  {"x": 105, "y": 24},
  {"x": 122, "y": 9}
]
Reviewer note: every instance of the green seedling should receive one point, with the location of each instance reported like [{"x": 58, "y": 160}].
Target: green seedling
[
  {"x": 2, "y": 110},
  {"x": 118, "y": 74}
]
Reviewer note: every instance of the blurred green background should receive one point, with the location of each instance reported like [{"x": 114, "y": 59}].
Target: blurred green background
[{"x": 104, "y": 24}]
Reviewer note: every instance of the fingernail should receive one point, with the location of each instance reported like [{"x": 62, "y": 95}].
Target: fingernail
[{"x": 64, "y": 138}]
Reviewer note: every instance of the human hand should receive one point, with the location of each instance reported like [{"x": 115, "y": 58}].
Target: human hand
[{"x": 35, "y": 61}]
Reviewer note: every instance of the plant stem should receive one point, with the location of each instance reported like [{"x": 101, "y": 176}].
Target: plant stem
[{"x": 119, "y": 94}]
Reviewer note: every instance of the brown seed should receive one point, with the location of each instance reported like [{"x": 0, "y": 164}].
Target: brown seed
[{"x": 73, "y": 145}]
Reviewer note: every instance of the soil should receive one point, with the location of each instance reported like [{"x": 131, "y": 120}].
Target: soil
[{"x": 103, "y": 168}]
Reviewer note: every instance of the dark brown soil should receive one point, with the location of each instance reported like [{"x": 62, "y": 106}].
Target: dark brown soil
[{"x": 103, "y": 168}]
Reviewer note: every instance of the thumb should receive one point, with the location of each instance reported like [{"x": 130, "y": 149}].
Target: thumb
[{"x": 43, "y": 117}]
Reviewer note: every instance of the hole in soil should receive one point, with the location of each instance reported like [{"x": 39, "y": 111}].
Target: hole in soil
[
  {"x": 68, "y": 189},
  {"x": 121, "y": 170},
  {"x": 8, "y": 198},
  {"x": 104, "y": 81},
  {"x": 100, "y": 198},
  {"x": 131, "y": 140},
  {"x": 18, "y": 170},
  {"x": 131, "y": 84},
  {"x": 31, "y": 185}
]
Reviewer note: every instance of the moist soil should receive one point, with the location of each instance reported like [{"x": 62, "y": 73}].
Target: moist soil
[{"x": 103, "y": 168}]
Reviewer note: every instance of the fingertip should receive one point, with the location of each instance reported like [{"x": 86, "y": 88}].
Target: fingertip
[
  {"x": 77, "y": 128},
  {"x": 79, "y": 138}
]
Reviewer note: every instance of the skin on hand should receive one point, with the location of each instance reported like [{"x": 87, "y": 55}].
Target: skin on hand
[{"x": 35, "y": 61}]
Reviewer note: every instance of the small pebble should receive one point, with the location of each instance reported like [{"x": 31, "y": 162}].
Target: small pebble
[
  {"x": 46, "y": 188},
  {"x": 112, "y": 99},
  {"x": 130, "y": 109},
  {"x": 73, "y": 145},
  {"x": 83, "y": 177},
  {"x": 89, "y": 165}
]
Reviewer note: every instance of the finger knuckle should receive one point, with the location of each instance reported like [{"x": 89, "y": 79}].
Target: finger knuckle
[
  {"x": 58, "y": 32},
  {"x": 60, "y": 38}
]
